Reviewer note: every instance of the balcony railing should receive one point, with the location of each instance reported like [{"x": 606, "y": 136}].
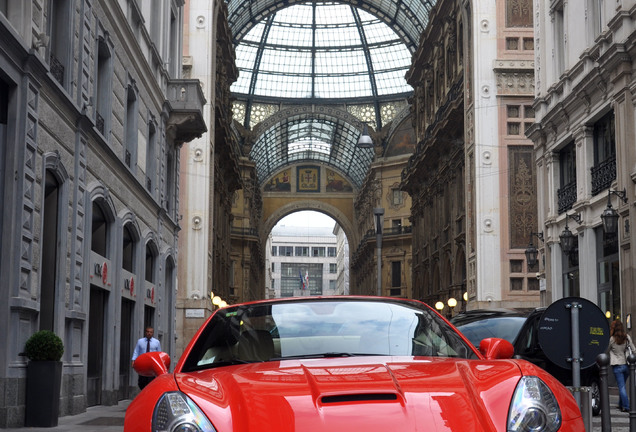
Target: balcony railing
[
  {"x": 57, "y": 69},
  {"x": 99, "y": 123},
  {"x": 566, "y": 197},
  {"x": 603, "y": 175}
]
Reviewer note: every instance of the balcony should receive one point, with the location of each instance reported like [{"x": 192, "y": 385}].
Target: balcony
[
  {"x": 566, "y": 197},
  {"x": 603, "y": 175},
  {"x": 185, "y": 110}
]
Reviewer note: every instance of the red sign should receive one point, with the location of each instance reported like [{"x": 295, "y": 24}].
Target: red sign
[{"x": 104, "y": 273}]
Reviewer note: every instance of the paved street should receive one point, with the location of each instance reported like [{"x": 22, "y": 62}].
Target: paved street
[{"x": 111, "y": 419}]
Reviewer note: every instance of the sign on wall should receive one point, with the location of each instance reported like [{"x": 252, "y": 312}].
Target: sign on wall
[{"x": 308, "y": 179}]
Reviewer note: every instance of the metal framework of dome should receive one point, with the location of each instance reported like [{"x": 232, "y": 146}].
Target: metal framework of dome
[{"x": 352, "y": 54}]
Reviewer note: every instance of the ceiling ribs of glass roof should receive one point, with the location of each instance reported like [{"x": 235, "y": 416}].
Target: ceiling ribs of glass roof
[{"x": 317, "y": 52}]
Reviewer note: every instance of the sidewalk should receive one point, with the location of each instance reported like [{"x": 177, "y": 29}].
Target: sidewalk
[{"x": 96, "y": 419}]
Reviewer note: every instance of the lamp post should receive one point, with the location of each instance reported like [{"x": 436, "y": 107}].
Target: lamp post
[
  {"x": 566, "y": 238},
  {"x": 379, "y": 212},
  {"x": 451, "y": 304},
  {"x": 439, "y": 306},
  {"x": 609, "y": 215},
  {"x": 531, "y": 252}
]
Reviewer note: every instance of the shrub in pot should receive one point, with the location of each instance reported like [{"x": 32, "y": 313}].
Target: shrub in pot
[{"x": 44, "y": 350}]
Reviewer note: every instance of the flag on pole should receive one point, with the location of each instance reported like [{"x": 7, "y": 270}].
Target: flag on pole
[
  {"x": 302, "y": 281},
  {"x": 307, "y": 279}
]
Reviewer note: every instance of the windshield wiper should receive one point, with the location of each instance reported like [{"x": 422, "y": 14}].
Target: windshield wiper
[
  {"x": 230, "y": 362},
  {"x": 323, "y": 355}
]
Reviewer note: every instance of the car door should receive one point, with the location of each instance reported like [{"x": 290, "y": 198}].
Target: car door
[{"x": 527, "y": 342}]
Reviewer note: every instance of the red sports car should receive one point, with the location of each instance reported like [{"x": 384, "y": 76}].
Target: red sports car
[{"x": 345, "y": 364}]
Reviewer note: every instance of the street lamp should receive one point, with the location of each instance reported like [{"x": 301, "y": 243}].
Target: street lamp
[
  {"x": 451, "y": 304},
  {"x": 439, "y": 306},
  {"x": 531, "y": 251},
  {"x": 566, "y": 238},
  {"x": 379, "y": 212},
  {"x": 609, "y": 215},
  {"x": 365, "y": 140}
]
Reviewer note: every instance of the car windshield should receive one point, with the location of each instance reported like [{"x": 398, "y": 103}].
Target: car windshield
[
  {"x": 323, "y": 328},
  {"x": 504, "y": 327}
]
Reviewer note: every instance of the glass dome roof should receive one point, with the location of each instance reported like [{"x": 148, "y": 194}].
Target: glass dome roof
[
  {"x": 322, "y": 50},
  {"x": 348, "y": 56}
]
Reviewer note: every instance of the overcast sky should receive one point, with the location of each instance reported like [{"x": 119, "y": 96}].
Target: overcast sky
[{"x": 307, "y": 218}]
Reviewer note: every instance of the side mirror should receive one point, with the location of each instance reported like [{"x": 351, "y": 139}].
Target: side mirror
[
  {"x": 152, "y": 364},
  {"x": 495, "y": 348}
]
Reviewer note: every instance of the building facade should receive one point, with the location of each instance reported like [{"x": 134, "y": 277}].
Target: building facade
[
  {"x": 471, "y": 178},
  {"x": 342, "y": 260},
  {"x": 93, "y": 112},
  {"x": 303, "y": 261},
  {"x": 583, "y": 138}
]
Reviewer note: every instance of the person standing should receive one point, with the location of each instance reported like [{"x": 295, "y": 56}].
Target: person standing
[
  {"x": 144, "y": 345},
  {"x": 617, "y": 349}
]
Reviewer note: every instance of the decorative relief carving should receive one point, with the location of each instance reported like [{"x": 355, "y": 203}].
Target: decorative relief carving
[{"x": 515, "y": 83}]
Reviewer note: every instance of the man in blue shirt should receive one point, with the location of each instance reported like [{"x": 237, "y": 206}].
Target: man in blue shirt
[{"x": 144, "y": 345}]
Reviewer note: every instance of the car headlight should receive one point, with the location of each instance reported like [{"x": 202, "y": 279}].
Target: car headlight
[
  {"x": 533, "y": 407},
  {"x": 176, "y": 412}
]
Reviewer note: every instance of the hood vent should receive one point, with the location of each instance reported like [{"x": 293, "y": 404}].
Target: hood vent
[{"x": 363, "y": 397}]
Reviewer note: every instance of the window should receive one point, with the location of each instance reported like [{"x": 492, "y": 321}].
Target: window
[
  {"x": 302, "y": 251},
  {"x": 173, "y": 56},
  {"x": 273, "y": 267},
  {"x": 595, "y": 17},
  {"x": 519, "y": 119},
  {"x": 332, "y": 285},
  {"x": 99, "y": 236},
  {"x": 333, "y": 268},
  {"x": 318, "y": 251},
  {"x": 274, "y": 250},
  {"x": 567, "y": 164},
  {"x": 171, "y": 175},
  {"x": 396, "y": 274},
  {"x": 286, "y": 250},
  {"x": 604, "y": 169},
  {"x": 61, "y": 42},
  {"x": 396, "y": 197},
  {"x": 331, "y": 251},
  {"x": 150, "y": 155},
  {"x": 559, "y": 40},
  {"x": 150, "y": 263},
  {"x": 128, "y": 250},
  {"x": 103, "y": 86},
  {"x": 130, "y": 154}
]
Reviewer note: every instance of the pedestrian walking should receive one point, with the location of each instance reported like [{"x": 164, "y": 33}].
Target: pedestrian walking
[
  {"x": 620, "y": 346},
  {"x": 144, "y": 345}
]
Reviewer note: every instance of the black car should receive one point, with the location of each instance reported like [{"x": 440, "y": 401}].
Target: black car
[{"x": 520, "y": 327}]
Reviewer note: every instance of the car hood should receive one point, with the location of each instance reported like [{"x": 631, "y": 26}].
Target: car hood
[{"x": 366, "y": 393}]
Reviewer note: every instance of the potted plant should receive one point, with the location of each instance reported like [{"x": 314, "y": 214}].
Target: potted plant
[{"x": 44, "y": 350}]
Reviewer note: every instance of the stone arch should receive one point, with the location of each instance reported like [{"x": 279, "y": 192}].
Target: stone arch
[
  {"x": 316, "y": 205},
  {"x": 459, "y": 272}
]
